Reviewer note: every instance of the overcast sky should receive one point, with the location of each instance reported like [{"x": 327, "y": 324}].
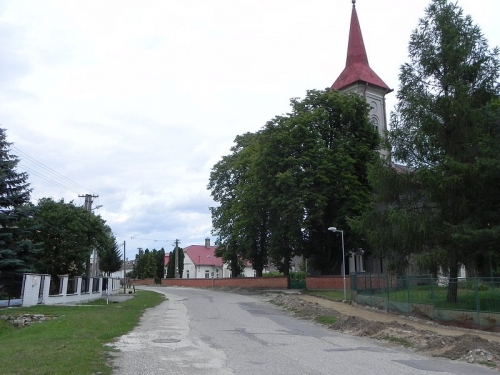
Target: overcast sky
[{"x": 135, "y": 101}]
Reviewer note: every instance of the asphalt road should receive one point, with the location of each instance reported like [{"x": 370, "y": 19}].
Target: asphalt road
[{"x": 201, "y": 331}]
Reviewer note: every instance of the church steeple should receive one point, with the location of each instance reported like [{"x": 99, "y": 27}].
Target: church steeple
[
  {"x": 357, "y": 77},
  {"x": 357, "y": 69}
]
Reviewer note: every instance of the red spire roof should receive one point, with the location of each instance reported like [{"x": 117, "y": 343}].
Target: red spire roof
[{"x": 357, "y": 67}]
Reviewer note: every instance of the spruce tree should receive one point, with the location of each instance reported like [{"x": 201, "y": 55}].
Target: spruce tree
[
  {"x": 16, "y": 249},
  {"x": 444, "y": 210}
]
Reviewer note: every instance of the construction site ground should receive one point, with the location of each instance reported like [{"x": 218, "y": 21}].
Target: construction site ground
[{"x": 423, "y": 336}]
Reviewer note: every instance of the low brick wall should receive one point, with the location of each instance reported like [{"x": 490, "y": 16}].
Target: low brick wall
[
  {"x": 327, "y": 283},
  {"x": 239, "y": 282},
  {"x": 143, "y": 282},
  {"x": 193, "y": 283}
]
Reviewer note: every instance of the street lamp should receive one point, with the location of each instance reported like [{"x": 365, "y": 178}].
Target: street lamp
[{"x": 333, "y": 229}]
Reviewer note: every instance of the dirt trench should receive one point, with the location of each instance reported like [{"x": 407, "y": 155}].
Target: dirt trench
[{"x": 422, "y": 336}]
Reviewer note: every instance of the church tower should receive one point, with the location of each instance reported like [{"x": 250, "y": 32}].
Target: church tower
[{"x": 358, "y": 77}]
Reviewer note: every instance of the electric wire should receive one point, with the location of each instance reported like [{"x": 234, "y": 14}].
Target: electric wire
[{"x": 43, "y": 171}]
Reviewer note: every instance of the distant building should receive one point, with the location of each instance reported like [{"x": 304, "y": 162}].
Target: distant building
[
  {"x": 200, "y": 262},
  {"x": 129, "y": 267}
]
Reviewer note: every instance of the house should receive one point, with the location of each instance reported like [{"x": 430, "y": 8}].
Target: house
[
  {"x": 129, "y": 267},
  {"x": 200, "y": 262}
]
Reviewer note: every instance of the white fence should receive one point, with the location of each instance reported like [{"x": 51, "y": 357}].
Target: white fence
[{"x": 37, "y": 289}]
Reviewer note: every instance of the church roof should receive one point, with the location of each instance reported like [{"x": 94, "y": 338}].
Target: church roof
[{"x": 357, "y": 67}]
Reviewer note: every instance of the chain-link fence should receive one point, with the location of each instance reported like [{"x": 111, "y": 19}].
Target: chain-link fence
[{"x": 437, "y": 298}]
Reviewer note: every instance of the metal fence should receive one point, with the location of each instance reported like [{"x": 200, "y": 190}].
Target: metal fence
[
  {"x": 11, "y": 288},
  {"x": 474, "y": 294}
]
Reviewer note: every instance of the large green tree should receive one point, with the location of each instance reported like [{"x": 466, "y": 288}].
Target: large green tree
[
  {"x": 68, "y": 234},
  {"x": 282, "y": 187},
  {"x": 17, "y": 250},
  {"x": 444, "y": 209}
]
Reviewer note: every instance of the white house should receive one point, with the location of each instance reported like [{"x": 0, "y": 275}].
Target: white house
[{"x": 200, "y": 262}]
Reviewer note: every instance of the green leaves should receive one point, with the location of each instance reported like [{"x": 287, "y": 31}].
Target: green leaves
[
  {"x": 283, "y": 186},
  {"x": 445, "y": 132},
  {"x": 68, "y": 234},
  {"x": 16, "y": 249}
]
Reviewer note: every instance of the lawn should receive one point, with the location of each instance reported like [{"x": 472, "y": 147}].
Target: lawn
[
  {"x": 488, "y": 299},
  {"x": 72, "y": 342},
  {"x": 334, "y": 295}
]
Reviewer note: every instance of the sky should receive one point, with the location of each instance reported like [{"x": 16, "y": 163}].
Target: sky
[{"x": 136, "y": 101}]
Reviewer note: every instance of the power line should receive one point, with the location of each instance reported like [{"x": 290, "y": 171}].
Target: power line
[
  {"x": 33, "y": 172},
  {"x": 41, "y": 170}
]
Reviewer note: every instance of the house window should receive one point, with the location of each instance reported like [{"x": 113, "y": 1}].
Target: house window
[
  {"x": 207, "y": 274},
  {"x": 217, "y": 273},
  {"x": 187, "y": 274}
]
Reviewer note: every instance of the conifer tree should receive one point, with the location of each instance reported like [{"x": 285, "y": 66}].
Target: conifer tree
[
  {"x": 445, "y": 209},
  {"x": 16, "y": 249}
]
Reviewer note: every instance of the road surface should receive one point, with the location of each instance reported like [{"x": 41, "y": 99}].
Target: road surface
[{"x": 202, "y": 331}]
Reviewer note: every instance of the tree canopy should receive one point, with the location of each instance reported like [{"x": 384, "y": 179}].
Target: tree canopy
[
  {"x": 282, "y": 187},
  {"x": 17, "y": 250},
  {"x": 150, "y": 264},
  {"x": 444, "y": 209},
  {"x": 68, "y": 234}
]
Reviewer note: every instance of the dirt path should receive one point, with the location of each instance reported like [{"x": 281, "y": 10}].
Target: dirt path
[{"x": 383, "y": 317}]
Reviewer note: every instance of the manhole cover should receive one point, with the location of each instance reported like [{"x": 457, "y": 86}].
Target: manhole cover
[{"x": 166, "y": 341}]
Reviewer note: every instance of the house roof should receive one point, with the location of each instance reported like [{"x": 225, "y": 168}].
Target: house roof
[
  {"x": 357, "y": 68},
  {"x": 167, "y": 258},
  {"x": 203, "y": 256}
]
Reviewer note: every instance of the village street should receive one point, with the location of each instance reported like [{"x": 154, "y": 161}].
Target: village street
[{"x": 201, "y": 331}]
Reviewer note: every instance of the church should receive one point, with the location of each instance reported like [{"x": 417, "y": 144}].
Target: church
[{"x": 358, "y": 77}]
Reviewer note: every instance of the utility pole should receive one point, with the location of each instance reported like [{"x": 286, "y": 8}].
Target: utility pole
[
  {"x": 88, "y": 206},
  {"x": 177, "y": 258},
  {"x": 124, "y": 270}
]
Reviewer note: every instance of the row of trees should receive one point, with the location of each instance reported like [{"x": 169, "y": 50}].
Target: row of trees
[
  {"x": 149, "y": 264},
  {"x": 281, "y": 187},
  {"x": 52, "y": 237}
]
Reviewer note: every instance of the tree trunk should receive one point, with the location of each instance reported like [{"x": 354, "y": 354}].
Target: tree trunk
[{"x": 286, "y": 265}]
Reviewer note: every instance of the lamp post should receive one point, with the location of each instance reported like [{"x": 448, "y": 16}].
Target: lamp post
[{"x": 333, "y": 229}]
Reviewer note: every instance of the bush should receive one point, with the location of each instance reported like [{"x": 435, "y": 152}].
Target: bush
[{"x": 297, "y": 276}]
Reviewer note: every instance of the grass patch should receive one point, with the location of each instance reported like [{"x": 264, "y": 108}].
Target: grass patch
[
  {"x": 73, "y": 343},
  {"x": 333, "y": 295},
  {"x": 486, "y": 363},
  {"x": 398, "y": 341},
  {"x": 326, "y": 319},
  {"x": 489, "y": 300}
]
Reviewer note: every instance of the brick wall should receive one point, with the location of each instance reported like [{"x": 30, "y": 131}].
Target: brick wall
[
  {"x": 239, "y": 282},
  {"x": 143, "y": 282},
  {"x": 327, "y": 283}
]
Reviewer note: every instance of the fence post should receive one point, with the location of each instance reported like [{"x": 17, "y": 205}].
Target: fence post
[
  {"x": 433, "y": 299},
  {"x": 387, "y": 290},
  {"x": 476, "y": 297},
  {"x": 408, "y": 289}
]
